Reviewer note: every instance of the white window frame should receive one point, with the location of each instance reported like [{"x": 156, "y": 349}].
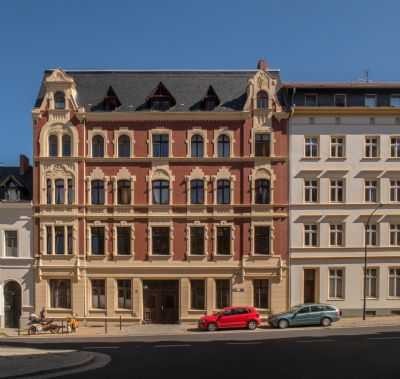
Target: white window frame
[
  {"x": 232, "y": 247},
  {"x": 335, "y": 147},
  {"x": 371, "y": 232},
  {"x": 338, "y": 232},
  {"x": 311, "y": 142},
  {"x": 369, "y": 278},
  {"x": 313, "y": 230},
  {"x": 394, "y": 234},
  {"x": 369, "y": 146},
  {"x": 395, "y": 147},
  {"x": 394, "y": 195},
  {"x": 394, "y": 277},
  {"x": 336, "y": 279},
  {"x": 157, "y": 131},
  {"x": 310, "y": 188},
  {"x": 5, "y": 243},
  {"x": 334, "y": 188},
  {"x": 188, "y": 239}
]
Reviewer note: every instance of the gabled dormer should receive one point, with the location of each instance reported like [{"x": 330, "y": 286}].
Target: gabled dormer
[
  {"x": 160, "y": 99},
  {"x": 11, "y": 189},
  {"x": 210, "y": 100},
  {"x": 110, "y": 102}
]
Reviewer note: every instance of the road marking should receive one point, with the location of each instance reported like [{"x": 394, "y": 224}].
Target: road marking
[
  {"x": 383, "y": 338},
  {"x": 244, "y": 343},
  {"x": 101, "y": 347},
  {"x": 310, "y": 341},
  {"x": 182, "y": 345}
]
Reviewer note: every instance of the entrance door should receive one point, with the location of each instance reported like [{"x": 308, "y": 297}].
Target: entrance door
[
  {"x": 309, "y": 285},
  {"x": 12, "y": 304},
  {"x": 161, "y": 301}
]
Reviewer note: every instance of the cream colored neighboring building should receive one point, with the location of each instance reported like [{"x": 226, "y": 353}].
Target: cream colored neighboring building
[{"x": 332, "y": 146}]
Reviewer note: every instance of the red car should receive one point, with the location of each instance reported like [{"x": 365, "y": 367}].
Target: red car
[{"x": 231, "y": 318}]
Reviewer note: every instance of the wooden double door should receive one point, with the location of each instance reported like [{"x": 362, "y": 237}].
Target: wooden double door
[{"x": 161, "y": 301}]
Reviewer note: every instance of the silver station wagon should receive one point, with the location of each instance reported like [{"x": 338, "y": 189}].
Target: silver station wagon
[{"x": 306, "y": 314}]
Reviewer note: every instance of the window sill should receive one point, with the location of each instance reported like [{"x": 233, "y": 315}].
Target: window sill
[
  {"x": 260, "y": 256},
  {"x": 336, "y": 159},
  {"x": 55, "y": 310},
  {"x": 197, "y": 311},
  {"x": 97, "y": 310},
  {"x": 335, "y": 299},
  {"x": 393, "y": 159},
  {"x": 197, "y": 256},
  {"x": 123, "y": 310},
  {"x": 367, "y": 159},
  {"x": 123, "y": 256},
  {"x": 160, "y": 257},
  {"x": 223, "y": 256},
  {"x": 310, "y": 158}
]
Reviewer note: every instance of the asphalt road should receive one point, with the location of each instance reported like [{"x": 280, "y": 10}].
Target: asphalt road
[{"x": 296, "y": 353}]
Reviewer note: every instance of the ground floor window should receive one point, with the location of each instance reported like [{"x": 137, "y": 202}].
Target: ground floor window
[
  {"x": 336, "y": 283},
  {"x": 372, "y": 282},
  {"x": 394, "y": 282},
  {"x": 98, "y": 294},
  {"x": 223, "y": 293},
  {"x": 124, "y": 294},
  {"x": 60, "y": 293},
  {"x": 261, "y": 293},
  {"x": 197, "y": 294}
]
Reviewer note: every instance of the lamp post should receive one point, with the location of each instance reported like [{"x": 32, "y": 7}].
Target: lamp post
[{"x": 365, "y": 259}]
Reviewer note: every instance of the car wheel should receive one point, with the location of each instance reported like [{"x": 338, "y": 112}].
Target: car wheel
[
  {"x": 326, "y": 321},
  {"x": 252, "y": 325},
  {"x": 212, "y": 327},
  {"x": 283, "y": 324}
]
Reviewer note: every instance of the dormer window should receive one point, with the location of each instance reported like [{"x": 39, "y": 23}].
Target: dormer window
[
  {"x": 370, "y": 100},
  {"x": 211, "y": 100},
  {"x": 161, "y": 99},
  {"x": 12, "y": 192},
  {"x": 395, "y": 101},
  {"x": 340, "y": 100},
  {"x": 310, "y": 100},
  {"x": 262, "y": 100},
  {"x": 111, "y": 101},
  {"x": 59, "y": 100}
]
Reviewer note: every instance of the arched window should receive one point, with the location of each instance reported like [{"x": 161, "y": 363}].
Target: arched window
[
  {"x": 262, "y": 100},
  {"x": 59, "y": 100},
  {"x": 66, "y": 145},
  {"x": 98, "y": 146},
  {"x": 97, "y": 192},
  {"x": 224, "y": 146},
  {"x": 53, "y": 146},
  {"x": 124, "y": 192},
  {"x": 223, "y": 191},
  {"x": 197, "y": 191},
  {"x": 197, "y": 146},
  {"x": 262, "y": 191},
  {"x": 124, "y": 147},
  {"x": 59, "y": 193},
  {"x": 160, "y": 191}
]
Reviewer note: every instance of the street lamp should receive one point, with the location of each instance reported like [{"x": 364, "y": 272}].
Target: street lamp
[{"x": 365, "y": 259}]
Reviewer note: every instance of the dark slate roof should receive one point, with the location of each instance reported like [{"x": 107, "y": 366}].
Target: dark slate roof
[
  {"x": 25, "y": 180},
  {"x": 187, "y": 87}
]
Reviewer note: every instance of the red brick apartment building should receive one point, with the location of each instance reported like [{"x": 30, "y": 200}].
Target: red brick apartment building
[{"x": 160, "y": 195}]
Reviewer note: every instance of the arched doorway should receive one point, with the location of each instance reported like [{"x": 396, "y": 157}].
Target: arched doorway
[{"x": 12, "y": 304}]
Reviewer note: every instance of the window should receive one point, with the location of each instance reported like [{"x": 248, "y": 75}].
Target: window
[
  {"x": 336, "y": 288},
  {"x": 59, "y": 184},
  {"x": 60, "y": 293},
  {"x": 394, "y": 282},
  {"x": 98, "y": 294},
  {"x": 160, "y": 240},
  {"x": 160, "y": 191},
  {"x": 395, "y": 190},
  {"x": 123, "y": 240},
  {"x": 311, "y": 147},
  {"x": 337, "y": 147},
  {"x": 160, "y": 145},
  {"x": 261, "y": 293},
  {"x": 337, "y": 191},
  {"x": 11, "y": 242},
  {"x": 12, "y": 193},
  {"x": 336, "y": 235},
  {"x": 310, "y": 191},
  {"x": 124, "y": 192},
  {"x": 197, "y": 146},
  {"x": 310, "y": 235},
  {"x": 48, "y": 191},
  {"x": 262, "y": 191},
  {"x": 262, "y": 145},
  {"x": 371, "y": 235},
  {"x": 124, "y": 147},
  {"x": 262, "y": 100},
  {"x": 370, "y": 101},
  {"x": 224, "y": 240},
  {"x": 70, "y": 239},
  {"x": 224, "y": 146},
  {"x": 197, "y": 294},
  {"x": 98, "y": 242},
  {"x": 395, "y": 101},
  {"x": 53, "y": 146},
  {"x": 66, "y": 145},
  {"x": 262, "y": 235},
  {"x": 197, "y": 240},
  {"x": 223, "y": 293},
  {"x": 124, "y": 288},
  {"x": 197, "y": 191},
  {"x": 310, "y": 100},
  {"x": 59, "y": 239},
  {"x": 395, "y": 147},
  {"x": 371, "y": 191},
  {"x": 49, "y": 240},
  {"x": 340, "y": 100},
  {"x": 70, "y": 191},
  {"x": 395, "y": 234},
  {"x": 98, "y": 146},
  {"x": 223, "y": 191},
  {"x": 372, "y": 283},
  {"x": 371, "y": 147},
  {"x": 59, "y": 100},
  {"x": 98, "y": 192}
]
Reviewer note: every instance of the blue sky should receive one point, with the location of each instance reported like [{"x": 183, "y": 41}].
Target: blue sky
[{"x": 308, "y": 40}]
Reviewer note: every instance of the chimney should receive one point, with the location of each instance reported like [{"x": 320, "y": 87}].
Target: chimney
[
  {"x": 262, "y": 65},
  {"x": 23, "y": 164}
]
